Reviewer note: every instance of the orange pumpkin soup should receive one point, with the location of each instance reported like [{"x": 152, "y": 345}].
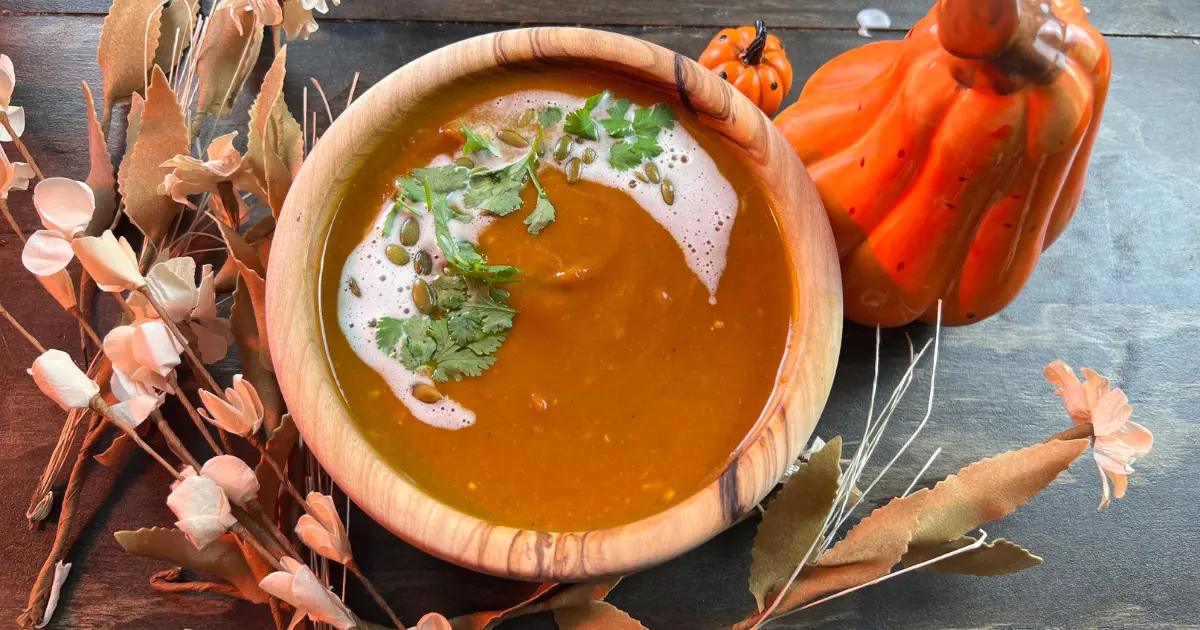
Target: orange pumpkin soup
[{"x": 554, "y": 302}]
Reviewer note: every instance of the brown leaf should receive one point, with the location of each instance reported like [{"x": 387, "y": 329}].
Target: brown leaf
[
  {"x": 298, "y": 21},
  {"x": 161, "y": 136},
  {"x": 221, "y": 557},
  {"x": 275, "y": 147},
  {"x": 992, "y": 488},
  {"x": 998, "y": 557},
  {"x": 133, "y": 125},
  {"x": 122, "y": 447},
  {"x": 128, "y": 39},
  {"x": 492, "y": 618},
  {"x": 279, "y": 446},
  {"x": 572, "y": 596},
  {"x": 595, "y": 616},
  {"x": 101, "y": 178},
  {"x": 251, "y": 272},
  {"x": 793, "y": 521},
  {"x": 226, "y": 57},
  {"x": 175, "y": 34}
]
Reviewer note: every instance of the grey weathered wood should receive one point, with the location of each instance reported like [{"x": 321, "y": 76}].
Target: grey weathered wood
[
  {"x": 1169, "y": 18},
  {"x": 1118, "y": 292}
]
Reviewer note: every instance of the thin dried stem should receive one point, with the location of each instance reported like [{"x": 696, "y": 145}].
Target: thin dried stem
[
  {"x": 255, "y": 508},
  {"x": 40, "y": 594},
  {"x": 21, "y": 146},
  {"x": 328, "y": 111},
  {"x": 9, "y": 217},
  {"x": 352, "y": 565},
  {"x": 191, "y": 410},
  {"x": 353, "y": 86},
  {"x": 21, "y": 329},
  {"x": 197, "y": 364},
  {"x": 99, "y": 406},
  {"x": 173, "y": 442},
  {"x": 171, "y": 581},
  {"x": 249, "y": 539},
  {"x": 283, "y": 478},
  {"x": 1077, "y": 432},
  {"x": 86, "y": 326}
]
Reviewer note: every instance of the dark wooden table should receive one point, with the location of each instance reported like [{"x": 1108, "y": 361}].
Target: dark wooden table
[{"x": 1120, "y": 292}]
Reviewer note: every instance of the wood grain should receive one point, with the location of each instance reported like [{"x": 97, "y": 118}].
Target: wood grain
[
  {"x": 1117, "y": 292},
  {"x": 1162, "y": 18},
  {"x": 390, "y": 498}
]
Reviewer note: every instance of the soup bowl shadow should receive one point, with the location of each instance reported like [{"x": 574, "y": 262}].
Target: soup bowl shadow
[{"x": 297, "y": 348}]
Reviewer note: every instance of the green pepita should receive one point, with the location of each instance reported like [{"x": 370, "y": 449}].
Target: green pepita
[
  {"x": 465, "y": 162},
  {"x": 668, "y": 191},
  {"x": 563, "y": 148},
  {"x": 398, "y": 255},
  {"x": 652, "y": 173},
  {"x": 354, "y": 288},
  {"x": 423, "y": 262},
  {"x": 641, "y": 177},
  {"x": 574, "y": 170},
  {"x": 410, "y": 232},
  {"x": 589, "y": 155},
  {"x": 426, "y": 393},
  {"x": 527, "y": 117},
  {"x": 512, "y": 138},
  {"x": 423, "y": 297}
]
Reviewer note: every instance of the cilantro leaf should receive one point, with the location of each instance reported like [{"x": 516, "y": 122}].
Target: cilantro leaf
[
  {"x": 616, "y": 124},
  {"x": 451, "y": 291},
  {"x": 416, "y": 348},
  {"x": 475, "y": 142},
  {"x": 549, "y": 116},
  {"x": 442, "y": 179},
  {"x": 594, "y": 101},
  {"x": 459, "y": 254},
  {"x": 450, "y": 360},
  {"x": 495, "y": 315},
  {"x": 629, "y": 155},
  {"x": 410, "y": 188},
  {"x": 465, "y": 326},
  {"x": 648, "y": 122},
  {"x": 580, "y": 123},
  {"x": 388, "y": 332},
  {"x": 542, "y": 215},
  {"x": 488, "y": 344},
  {"x": 499, "y": 196},
  {"x": 390, "y": 220}
]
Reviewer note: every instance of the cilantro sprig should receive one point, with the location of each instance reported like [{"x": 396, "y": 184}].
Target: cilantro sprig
[
  {"x": 476, "y": 142},
  {"x": 639, "y": 137},
  {"x": 460, "y": 254},
  {"x": 579, "y": 122},
  {"x": 549, "y": 116}
]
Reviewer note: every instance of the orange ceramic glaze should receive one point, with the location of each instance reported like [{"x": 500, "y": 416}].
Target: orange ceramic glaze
[
  {"x": 950, "y": 160},
  {"x": 753, "y": 62},
  {"x": 621, "y": 390}
]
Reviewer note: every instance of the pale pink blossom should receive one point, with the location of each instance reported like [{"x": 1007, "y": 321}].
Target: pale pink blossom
[
  {"x": 16, "y": 120},
  {"x": 143, "y": 355},
  {"x": 268, "y": 12},
  {"x": 241, "y": 410},
  {"x": 173, "y": 285},
  {"x": 321, "y": 6},
  {"x": 202, "y": 509},
  {"x": 324, "y": 534},
  {"x": 297, "y": 586},
  {"x": 65, "y": 207},
  {"x": 111, "y": 262},
  {"x": 59, "y": 378},
  {"x": 190, "y": 176},
  {"x": 433, "y": 621},
  {"x": 135, "y": 410},
  {"x": 59, "y": 286},
  {"x": 236, "y": 478},
  {"x": 13, "y": 175},
  {"x": 1117, "y": 441},
  {"x": 8, "y": 80}
]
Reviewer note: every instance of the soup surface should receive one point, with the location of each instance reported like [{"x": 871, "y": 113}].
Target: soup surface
[{"x": 647, "y": 335}]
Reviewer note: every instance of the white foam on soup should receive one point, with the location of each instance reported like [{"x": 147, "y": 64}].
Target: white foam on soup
[{"x": 700, "y": 221}]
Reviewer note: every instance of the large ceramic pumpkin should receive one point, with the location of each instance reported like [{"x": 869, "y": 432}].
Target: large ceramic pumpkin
[{"x": 950, "y": 160}]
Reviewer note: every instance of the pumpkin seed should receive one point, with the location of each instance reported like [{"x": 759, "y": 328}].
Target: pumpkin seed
[
  {"x": 641, "y": 177},
  {"x": 465, "y": 162},
  {"x": 563, "y": 148},
  {"x": 512, "y": 138},
  {"x": 589, "y": 155},
  {"x": 423, "y": 262},
  {"x": 526, "y": 118},
  {"x": 423, "y": 297},
  {"x": 410, "y": 232},
  {"x": 398, "y": 255},
  {"x": 574, "y": 170},
  {"x": 354, "y": 288},
  {"x": 668, "y": 191},
  {"x": 426, "y": 393},
  {"x": 652, "y": 173}
]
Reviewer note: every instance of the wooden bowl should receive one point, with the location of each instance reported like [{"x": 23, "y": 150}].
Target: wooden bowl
[{"x": 387, "y": 495}]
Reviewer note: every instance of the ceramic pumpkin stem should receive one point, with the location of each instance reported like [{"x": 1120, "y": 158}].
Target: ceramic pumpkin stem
[
  {"x": 977, "y": 28},
  {"x": 754, "y": 52}
]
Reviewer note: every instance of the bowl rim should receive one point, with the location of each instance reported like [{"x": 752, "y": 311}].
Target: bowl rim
[{"x": 387, "y": 495}]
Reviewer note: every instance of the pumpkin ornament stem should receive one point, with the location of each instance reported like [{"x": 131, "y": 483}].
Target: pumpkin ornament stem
[
  {"x": 950, "y": 160},
  {"x": 753, "y": 61}
]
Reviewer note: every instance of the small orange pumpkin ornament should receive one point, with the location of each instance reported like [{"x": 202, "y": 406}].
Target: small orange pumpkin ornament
[
  {"x": 754, "y": 62},
  {"x": 950, "y": 160}
]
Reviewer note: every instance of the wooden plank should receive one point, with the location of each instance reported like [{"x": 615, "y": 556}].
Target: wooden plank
[
  {"x": 1164, "y": 18},
  {"x": 1117, "y": 293}
]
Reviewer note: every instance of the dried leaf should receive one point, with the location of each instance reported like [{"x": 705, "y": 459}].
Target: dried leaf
[
  {"x": 992, "y": 488},
  {"x": 276, "y": 143},
  {"x": 492, "y": 618},
  {"x": 128, "y": 39},
  {"x": 133, "y": 125},
  {"x": 298, "y": 21},
  {"x": 998, "y": 557},
  {"x": 161, "y": 136},
  {"x": 572, "y": 596},
  {"x": 122, "y": 447},
  {"x": 101, "y": 178},
  {"x": 251, "y": 272},
  {"x": 221, "y": 557},
  {"x": 793, "y": 521},
  {"x": 226, "y": 57},
  {"x": 175, "y": 34},
  {"x": 279, "y": 446},
  {"x": 595, "y": 616}
]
